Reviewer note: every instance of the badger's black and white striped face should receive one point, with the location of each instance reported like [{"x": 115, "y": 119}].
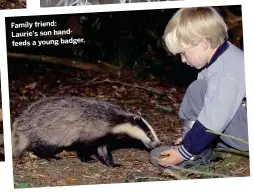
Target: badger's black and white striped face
[{"x": 140, "y": 129}]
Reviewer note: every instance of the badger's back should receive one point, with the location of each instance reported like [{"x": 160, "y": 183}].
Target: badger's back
[{"x": 61, "y": 121}]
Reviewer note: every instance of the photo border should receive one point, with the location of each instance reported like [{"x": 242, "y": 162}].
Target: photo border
[{"x": 234, "y": 184}]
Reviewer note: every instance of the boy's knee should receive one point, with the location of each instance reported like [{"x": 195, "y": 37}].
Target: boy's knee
[
  {"x": 243, "y": 147},
  {"x": 233, "y": 143},
  {"x": 193, "y": 100}
]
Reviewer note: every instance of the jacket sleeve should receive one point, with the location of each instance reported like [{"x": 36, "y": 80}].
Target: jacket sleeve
[
  {"x": 222, "y": 100},
  {"x": 196, "y": 140}
]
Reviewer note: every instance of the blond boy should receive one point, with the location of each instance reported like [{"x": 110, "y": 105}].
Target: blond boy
[{"x": 216, "y": 100}]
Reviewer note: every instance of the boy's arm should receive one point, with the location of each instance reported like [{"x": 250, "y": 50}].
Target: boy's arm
[{"x": 196, "y": 140}]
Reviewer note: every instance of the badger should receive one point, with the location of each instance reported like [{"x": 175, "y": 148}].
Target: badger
[
  {"x": 87, "y": 124},
  {"x": 56, "y": 3}
]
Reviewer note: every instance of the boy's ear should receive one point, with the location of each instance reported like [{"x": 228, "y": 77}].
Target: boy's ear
[{"x": 205, "y": 44}]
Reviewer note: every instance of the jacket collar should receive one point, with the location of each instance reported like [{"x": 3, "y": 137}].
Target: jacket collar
[{"x": 220, "y": 50}]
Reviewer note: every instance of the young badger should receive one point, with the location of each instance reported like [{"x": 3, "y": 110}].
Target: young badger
[{"x": 54, "y": 123}]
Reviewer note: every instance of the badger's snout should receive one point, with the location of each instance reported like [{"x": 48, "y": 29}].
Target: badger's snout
[{"x": 153, "y": 144}]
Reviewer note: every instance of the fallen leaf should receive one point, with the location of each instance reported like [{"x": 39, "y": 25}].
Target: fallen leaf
[
  {"x": 32, "y": 85},
  {"x": 66, "y": 181},
  {"x": 117, "y": 94},
  {"x": 64, "y": 154},
  {"x": 32, "y": 156}
]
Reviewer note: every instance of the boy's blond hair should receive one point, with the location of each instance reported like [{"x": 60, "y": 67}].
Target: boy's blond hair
[{"x": 189, "y": 26}]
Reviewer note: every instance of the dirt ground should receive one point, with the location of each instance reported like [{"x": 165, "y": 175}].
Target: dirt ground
[
  {"x": 12, "y": 4},
  {"x": 31, "y": 82}
]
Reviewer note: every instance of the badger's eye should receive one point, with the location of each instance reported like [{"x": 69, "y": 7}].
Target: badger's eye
[{"x": 149, "y": 134}]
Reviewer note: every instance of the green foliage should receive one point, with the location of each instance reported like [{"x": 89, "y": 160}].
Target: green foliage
[
  {"x": 21, "y": 184},
  {"x": 169, "y": 109}
]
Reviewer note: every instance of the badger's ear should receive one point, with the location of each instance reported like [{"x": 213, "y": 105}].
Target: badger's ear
[{"x": 136, "y": 120}]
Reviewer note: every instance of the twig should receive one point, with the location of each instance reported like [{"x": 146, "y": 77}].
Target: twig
[
  {"x": 230, "y": 150},
  {"x": 130, "y": 85},
  {"x": 196, "y": 172},
  {"x": 226, "y": 135},
  {"x": 191, "y": 171},
  {"x": 92, "y": 80},
  {"x": 175, "y": 175},
  {"x": 107, "y": 65},
  {"x": 154, "y": 178},
  {"x": 66, "y": 62}
]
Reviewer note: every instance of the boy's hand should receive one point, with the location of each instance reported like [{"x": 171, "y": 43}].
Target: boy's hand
[
  {"x": 174, "y": 158},
  {"x": 178, "y": 141}
]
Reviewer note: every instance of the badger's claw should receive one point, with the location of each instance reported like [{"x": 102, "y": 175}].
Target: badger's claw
[
  {"x": 105, "y": 157},
  {"x": 87, "y": 159},
  {"x": 84, "y": 154}
]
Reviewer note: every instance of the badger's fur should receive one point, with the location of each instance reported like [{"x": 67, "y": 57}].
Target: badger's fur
[
  {"x": 54, "y": 123},
  {"x": 56, "y": 3}
]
